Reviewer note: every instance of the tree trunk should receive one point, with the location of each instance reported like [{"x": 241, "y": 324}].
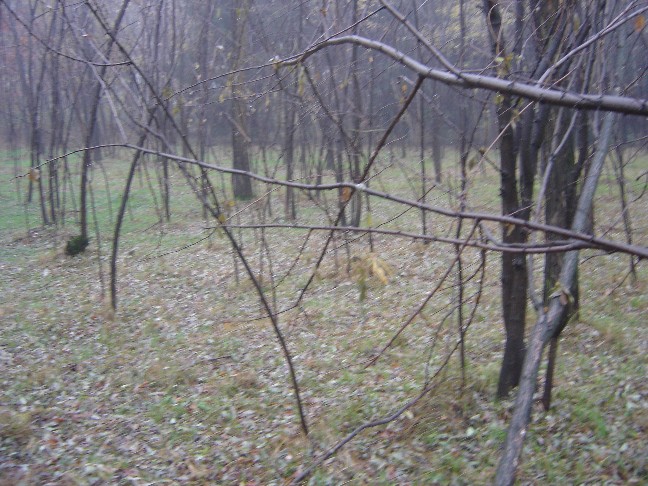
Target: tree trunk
[
  {"x": 514, "y": 267},
  {"x": 356, "y": 122},
  {"x": 241, "y": 184},
  {"x": 559, "y": 211},
  {"x": 289, "y": 156},
  {"x": 548, "y": 321}
]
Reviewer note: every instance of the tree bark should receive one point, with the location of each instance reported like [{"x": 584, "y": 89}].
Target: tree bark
[
  {"x": 559, "y": 211},
  {"x": 548, "y": 322},
  {"x": 241, "y": 184},
  {"x": 289, "y": 155},
  {"x": 514, "y": 267}
]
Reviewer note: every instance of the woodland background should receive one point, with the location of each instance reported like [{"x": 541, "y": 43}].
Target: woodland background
[{"x": 324, "y": 241}]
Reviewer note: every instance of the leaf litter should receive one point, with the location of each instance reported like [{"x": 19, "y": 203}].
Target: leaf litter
[{"x": 186, "y": 382}]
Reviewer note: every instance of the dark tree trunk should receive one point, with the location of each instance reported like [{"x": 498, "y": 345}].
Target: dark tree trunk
[
  {"x": 289, "y": 156},
  {"x": 560, "y": 204},
  {"x": 356, "y": 122},
  {"x": 549, "y": 320},
  {"x": 241, "y": 184},
  {"x": 437, "y": 154},
  {"x": 514, "y": 267}
]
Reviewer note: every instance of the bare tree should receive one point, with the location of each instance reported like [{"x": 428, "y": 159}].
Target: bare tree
[
  {"x": 239, "y": 12},
  {"x": 348, "y": 83}
]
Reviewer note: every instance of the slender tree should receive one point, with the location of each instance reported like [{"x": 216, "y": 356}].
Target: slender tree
[{"x": 241, "y": 185}]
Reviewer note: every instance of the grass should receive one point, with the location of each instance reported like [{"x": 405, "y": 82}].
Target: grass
[{"x": 186, "y": 381}]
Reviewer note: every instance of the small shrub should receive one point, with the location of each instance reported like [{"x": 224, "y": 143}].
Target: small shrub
[{"x": 76, "y": 245}]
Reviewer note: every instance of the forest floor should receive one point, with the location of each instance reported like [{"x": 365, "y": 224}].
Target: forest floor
[{"x": 186, "y": 381}]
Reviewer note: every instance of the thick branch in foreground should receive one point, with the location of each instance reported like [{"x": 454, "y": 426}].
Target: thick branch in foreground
[{"x": 620, "y": 104}]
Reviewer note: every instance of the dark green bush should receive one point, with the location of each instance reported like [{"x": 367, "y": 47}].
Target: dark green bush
[{"x": 76, "y": 245}]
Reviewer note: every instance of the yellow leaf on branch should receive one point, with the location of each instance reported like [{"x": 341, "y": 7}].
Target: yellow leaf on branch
[{"x": 34, "y": 174}]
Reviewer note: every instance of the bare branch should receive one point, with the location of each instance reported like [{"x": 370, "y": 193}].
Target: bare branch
[
  {"x": 620, "y": 104},
  {"x": 549, "y": 247}
]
